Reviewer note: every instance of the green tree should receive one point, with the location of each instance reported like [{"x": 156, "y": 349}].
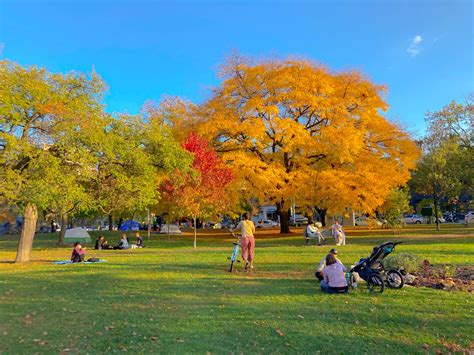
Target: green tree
[
  {"x": 396, "y": 204},
  {"x": 438, "y": 173},
  {"x": 47, "y": 126}
]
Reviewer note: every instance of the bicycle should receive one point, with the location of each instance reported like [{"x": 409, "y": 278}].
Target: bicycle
[{"x": 235, "y": 253}]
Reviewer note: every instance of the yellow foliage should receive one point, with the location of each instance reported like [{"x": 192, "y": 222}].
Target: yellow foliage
[{"x": 295, "y": 132}]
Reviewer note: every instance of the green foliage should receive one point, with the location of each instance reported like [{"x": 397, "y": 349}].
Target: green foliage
[
  {"x": 402, "y": 261},
  {"x": 396, "y": 204}
]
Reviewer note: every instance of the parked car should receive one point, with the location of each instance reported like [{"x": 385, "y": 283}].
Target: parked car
[
  {"x": 266, "y": 224},
  {"x": 469, "y": 217},
  {"x": 227, "y": 224},
  {"x": 298, "y": 220},
  {"x": 412, "y": 219},
  {"x": 365, "y": 221}
]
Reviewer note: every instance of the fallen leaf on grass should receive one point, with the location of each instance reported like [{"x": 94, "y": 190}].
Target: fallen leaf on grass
[
  {"x": 279, "y": 332},
  {"x": 300, "y": 316},
  {"x": 153, "y": 338},
  {"x": 425, "y": 346}
]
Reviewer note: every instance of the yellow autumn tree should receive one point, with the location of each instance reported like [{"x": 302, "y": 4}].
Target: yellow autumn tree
[{"x": 295, "y": 132}]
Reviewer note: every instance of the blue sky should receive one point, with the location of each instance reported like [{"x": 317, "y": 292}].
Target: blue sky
[{"x": 422, "y": 50}]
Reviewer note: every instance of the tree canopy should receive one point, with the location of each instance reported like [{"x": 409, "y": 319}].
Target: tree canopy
[{"x": 297, "y": 133}]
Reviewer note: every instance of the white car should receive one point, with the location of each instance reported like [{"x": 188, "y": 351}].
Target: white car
[
  {"x": 266, "y": 224},
  {"x": 412, "y": 219},
  {"x": 469, "y": 217}
]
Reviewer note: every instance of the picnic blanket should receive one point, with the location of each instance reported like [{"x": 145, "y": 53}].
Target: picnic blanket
[{"x": 66, "y": 262}]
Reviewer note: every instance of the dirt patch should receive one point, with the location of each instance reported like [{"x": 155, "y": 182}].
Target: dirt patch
[{"x": 445, "y": 277}]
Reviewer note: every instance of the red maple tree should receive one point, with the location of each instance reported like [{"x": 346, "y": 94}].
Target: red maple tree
[{"x": 202, "y": 192}]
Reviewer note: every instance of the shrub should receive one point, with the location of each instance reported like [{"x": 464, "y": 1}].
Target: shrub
[{"x": 402, "y": 261}]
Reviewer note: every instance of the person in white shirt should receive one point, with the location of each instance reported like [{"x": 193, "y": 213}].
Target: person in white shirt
[
  {"x": 247, "y": 228},
  {"x": 312, "y": 231},
  {"x": 338, "y": 233}
]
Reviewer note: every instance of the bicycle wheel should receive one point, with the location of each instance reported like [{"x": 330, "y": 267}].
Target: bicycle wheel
[
  {"x": 395, "y": 279},
  {"x": 375, "y": 284}
]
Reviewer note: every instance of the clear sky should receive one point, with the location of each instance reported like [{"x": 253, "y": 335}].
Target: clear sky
[{"x": 422, "y": 50}]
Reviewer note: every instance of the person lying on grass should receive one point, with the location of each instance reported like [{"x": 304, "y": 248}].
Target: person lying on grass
[
  {"x": 322, "y": 264},
  {"x": 78, "y": 254},
  {"x": 334, "y": 276},
  {"x": 123, "y": 244}
]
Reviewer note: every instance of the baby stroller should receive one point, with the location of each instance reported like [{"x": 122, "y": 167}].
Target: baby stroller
[{"x": 372, "y": 271}]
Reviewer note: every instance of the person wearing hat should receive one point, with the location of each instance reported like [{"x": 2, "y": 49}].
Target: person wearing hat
[{"x": 322, "y": 264}]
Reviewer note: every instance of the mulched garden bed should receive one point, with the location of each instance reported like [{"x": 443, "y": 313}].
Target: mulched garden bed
[{"x": 445, "y": 277}]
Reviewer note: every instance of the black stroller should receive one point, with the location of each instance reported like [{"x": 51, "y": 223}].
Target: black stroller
[{"x": 372, "y": 271}]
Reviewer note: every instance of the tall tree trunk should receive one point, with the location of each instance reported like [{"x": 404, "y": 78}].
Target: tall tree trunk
[
  {"x": 284, "y": 225},
  {"x": 195, "y": 233},
  {"x": 322, "y": 215},
  {"x": 62, "y": 233},
  {"x": 25, "y": 245},
  {"x": 111, "y": 223},
  {"x": 435, "y": 200}
]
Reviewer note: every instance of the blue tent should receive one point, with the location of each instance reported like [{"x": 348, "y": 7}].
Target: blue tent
[{"x": 130, "y": 225}]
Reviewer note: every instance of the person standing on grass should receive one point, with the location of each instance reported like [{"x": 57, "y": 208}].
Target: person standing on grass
[
  {"x": 334, "y": 276},
  {"x": 247, "y": 228}
]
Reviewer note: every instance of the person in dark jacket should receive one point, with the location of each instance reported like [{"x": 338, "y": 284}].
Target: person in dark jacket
[{"x": 78, "y": 254}]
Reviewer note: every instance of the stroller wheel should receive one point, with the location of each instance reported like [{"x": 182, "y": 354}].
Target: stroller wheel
[
  {"x": 375, "y": 284},
  {"x": 395, "y": 279}
]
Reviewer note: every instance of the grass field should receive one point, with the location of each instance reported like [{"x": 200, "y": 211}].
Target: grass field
[{"x": 169, "y": 297}]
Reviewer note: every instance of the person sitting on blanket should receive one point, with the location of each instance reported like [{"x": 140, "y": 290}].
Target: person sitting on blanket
[
  {"x": 123, "y": 244},
  {"x": 78, "y": 254},
  {"x": 322, "y": 264},
  {"x": 334, "y": 276}
]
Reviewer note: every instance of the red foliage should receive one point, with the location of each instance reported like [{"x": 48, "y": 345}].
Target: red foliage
[
  {"x": 208, "y": 189},
  {"x": 214, "y": 175}
]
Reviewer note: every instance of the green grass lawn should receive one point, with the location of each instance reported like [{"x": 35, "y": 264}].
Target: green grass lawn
[{"x": 169, "y": 297}]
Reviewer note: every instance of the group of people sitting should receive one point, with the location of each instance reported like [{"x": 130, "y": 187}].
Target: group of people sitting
[
  {"x": 312, "y": 231},
  {"x": 124, "y": 243},
  {"x": 332, "y": 274},
  {"x": 79, "y": 253}
]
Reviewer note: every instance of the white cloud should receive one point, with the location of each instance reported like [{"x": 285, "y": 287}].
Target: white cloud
[{"x": 414, "y": 48}]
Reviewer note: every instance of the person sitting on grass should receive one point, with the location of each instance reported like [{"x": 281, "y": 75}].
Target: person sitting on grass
[
  {"x": 322, "y": 264},
  {"x": 123, "y": 243},
  {"x": 139, "y": 243},
  {"x": 334, "y": 276},
  {"x": 78, "y": 254},
  {"x": 99, "y": 242}
]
